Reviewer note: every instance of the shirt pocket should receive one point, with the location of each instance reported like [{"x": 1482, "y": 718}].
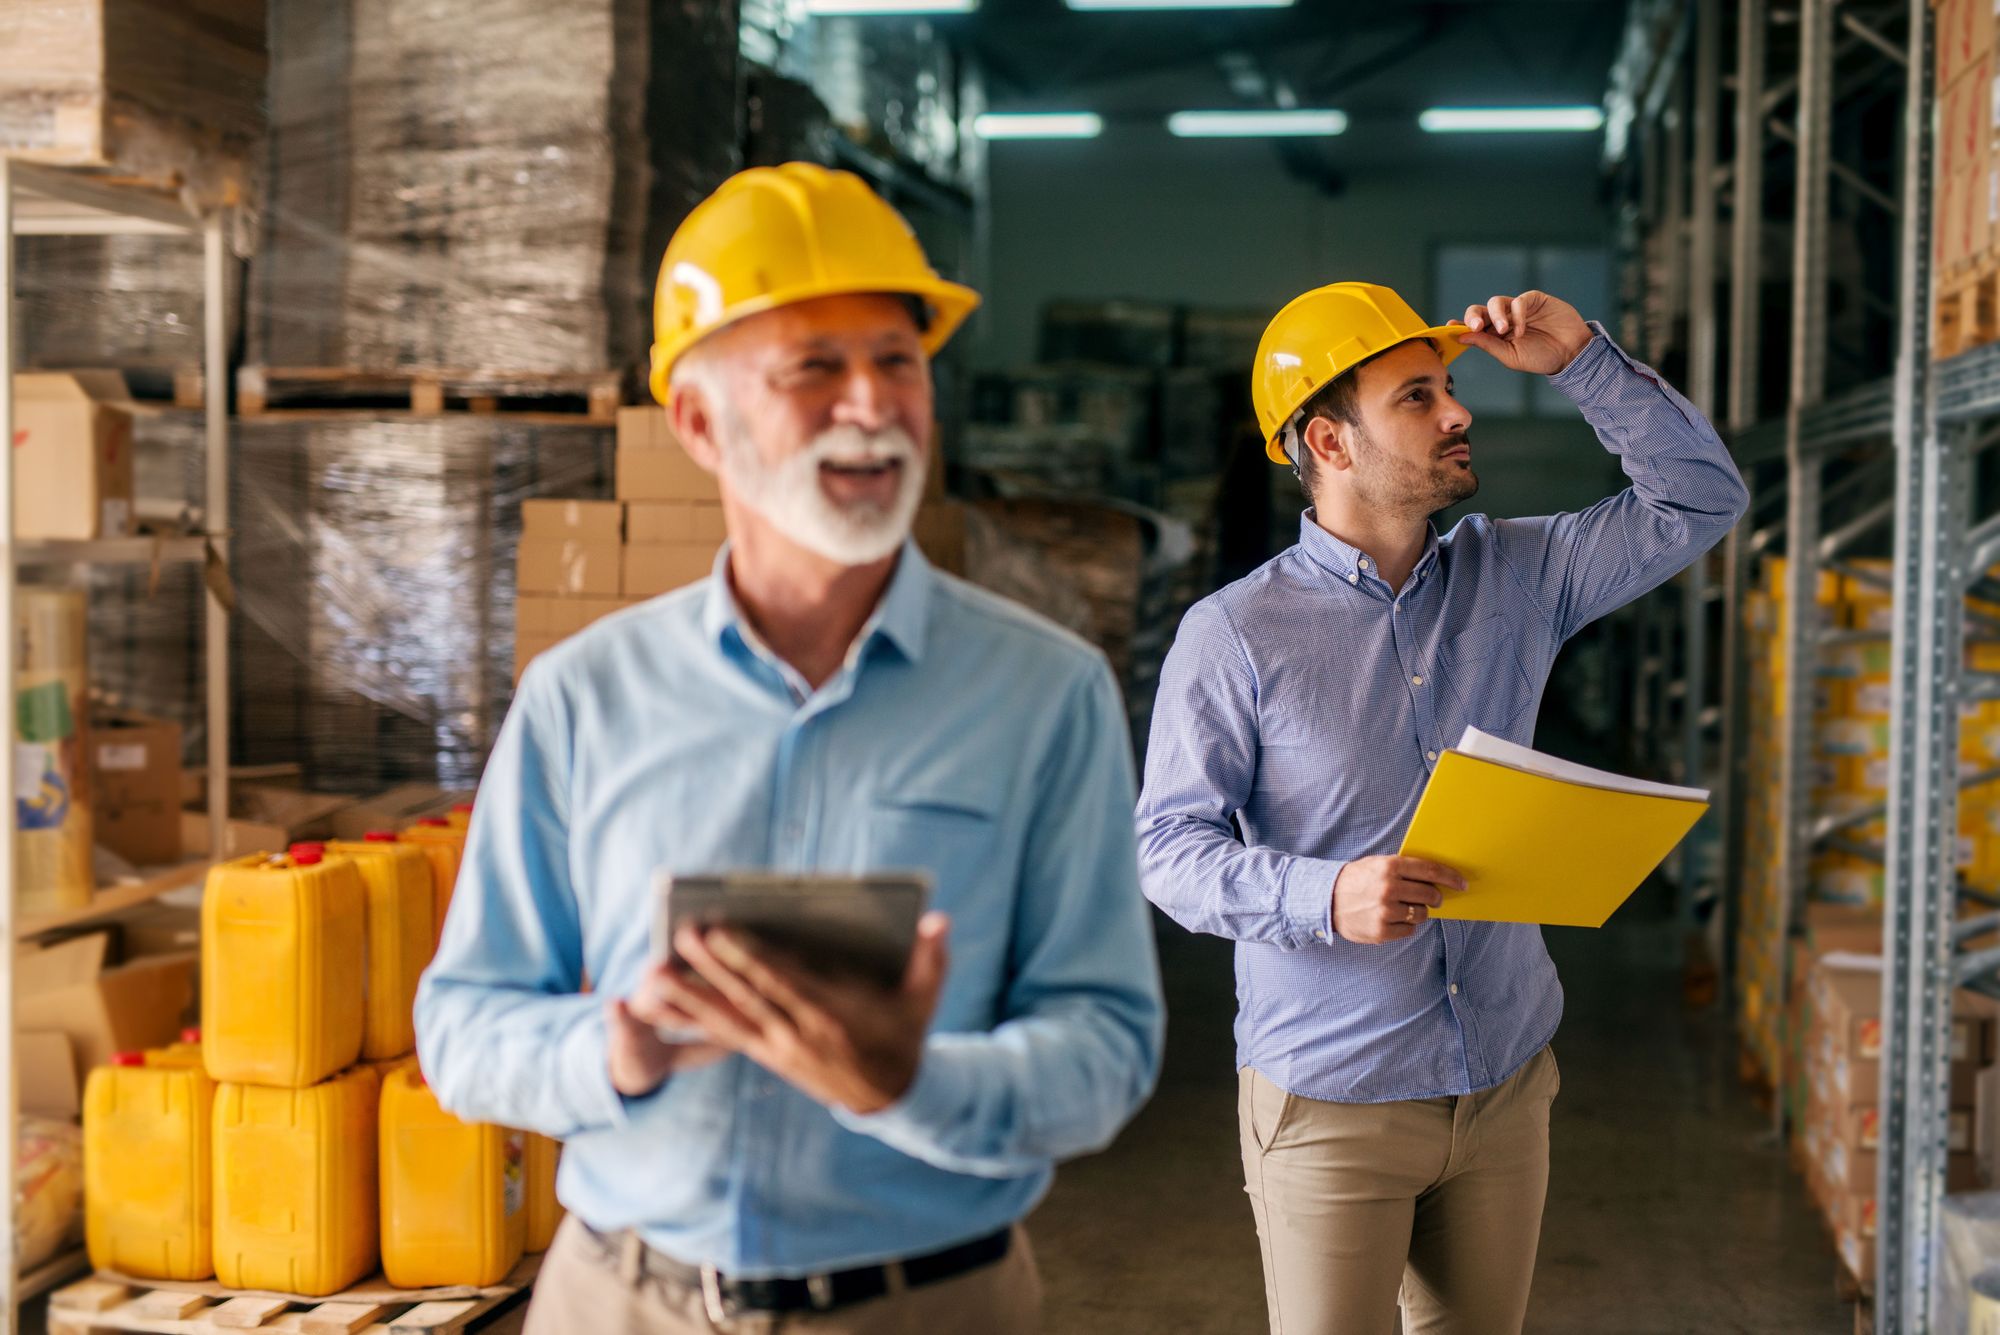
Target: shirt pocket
[
  {"x": 1483, "y": 676},
  {"x": 952, "y": 835}
]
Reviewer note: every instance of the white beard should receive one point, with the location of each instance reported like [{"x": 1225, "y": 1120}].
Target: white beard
[{"x": 790, "y": 496}]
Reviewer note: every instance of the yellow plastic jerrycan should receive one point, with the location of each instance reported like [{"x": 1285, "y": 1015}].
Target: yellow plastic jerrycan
[
  {"x": 184, "y": 1052},
  {"x": 283, "y": 940},
  {"x": 147, "y": 1173},
  {"x": 400, "y": 938},
  {"x": 544, "y": 1210},
  {"x": 295, "y": 1203},
  {"x": 454, "y": 1194},
  {"x": 444, "y": 844},
  {"x": 461, "y": 816}
]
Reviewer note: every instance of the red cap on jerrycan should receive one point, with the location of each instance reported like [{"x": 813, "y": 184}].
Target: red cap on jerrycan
[{"x": 380, "y": 837}]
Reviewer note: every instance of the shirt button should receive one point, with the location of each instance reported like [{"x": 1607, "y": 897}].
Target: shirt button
[
  {"x": 1430, "y": 755},
  {"x": 1363, "y": 563},
  {"x": 1320, "y": 935},
  {"x": 1416, "y": 681},
  {"x": 1354, "y": 579},
  {"x": 1454, "y": 989}
]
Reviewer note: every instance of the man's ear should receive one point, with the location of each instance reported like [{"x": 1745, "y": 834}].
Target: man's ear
[
  {"x": 694, "y": 422},
  {"x": 1328, "y": 440}
]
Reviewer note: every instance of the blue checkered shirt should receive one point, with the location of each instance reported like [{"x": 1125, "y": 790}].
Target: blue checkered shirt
[{"x": 1302, "y": 710}]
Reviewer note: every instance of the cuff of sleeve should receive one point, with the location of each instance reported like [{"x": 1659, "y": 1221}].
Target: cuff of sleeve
[
  {"x": 938, "y": 1097},
  {"x": 1308, "y": 899},
  {"x": 585, "y": 1064},
  {"x": 1588, "y": 370}
]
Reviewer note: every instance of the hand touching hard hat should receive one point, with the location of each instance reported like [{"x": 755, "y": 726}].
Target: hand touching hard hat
[{"x": 1533, "y": 332}]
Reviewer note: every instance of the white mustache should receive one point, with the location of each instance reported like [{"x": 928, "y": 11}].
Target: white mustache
[{"x": 850, "y": 446}]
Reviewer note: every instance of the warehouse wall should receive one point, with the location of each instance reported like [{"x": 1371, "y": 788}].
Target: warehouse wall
[{"x": 1139, "y": 215}]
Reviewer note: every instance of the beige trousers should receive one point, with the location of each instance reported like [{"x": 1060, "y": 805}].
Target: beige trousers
[
  {"x": 588, "y": 1288},
  {"x": 1433, "y": 1203}
]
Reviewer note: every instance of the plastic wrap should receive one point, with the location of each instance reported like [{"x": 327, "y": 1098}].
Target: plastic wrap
[
  {"x": 374, "y": 561},
  {"x": 133, "y": 302},
  {"x": 455, "y": 186},
  {"x": 48, "y": 1188},
  {"x": 1968, "y": 1278},
  {"x": 170, "y": 91},
  {"x": 694, "y": 109}
]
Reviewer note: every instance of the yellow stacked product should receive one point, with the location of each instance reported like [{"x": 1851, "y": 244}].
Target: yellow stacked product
[
  {"x": 148, "y": 1174},
  {"x": 295, "y": 1187},
  {"x": 184, "y": 1052},
  {"x": 461, "y": 816},
  {"x": 444, "y": 844},
  {"x": 544, "y": 1210},
  {"x": 397, "y": 877},
  {"x": 283, "y": 944},
  {"x": 454, "y": 1194}
]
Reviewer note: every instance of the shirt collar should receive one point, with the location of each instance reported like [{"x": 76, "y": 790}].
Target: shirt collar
[
  {"x": 1348, "y": 561},
  {"x": 901, "y": 618}
]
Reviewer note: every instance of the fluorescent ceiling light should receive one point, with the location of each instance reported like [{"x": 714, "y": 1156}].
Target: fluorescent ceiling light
[
  {"x": 1038, "y": 125},
  {"x": 1255, "y": 124},
  {"x": 864, "y": 8},
  {"x": 1494, "y": 120},
  {"x": 1179, "y": 4}
]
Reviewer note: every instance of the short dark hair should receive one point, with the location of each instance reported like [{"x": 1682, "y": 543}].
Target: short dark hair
[{"x": 1338, "y": 400}]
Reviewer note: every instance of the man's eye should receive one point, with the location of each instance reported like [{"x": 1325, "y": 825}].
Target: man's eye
[
  {"x": 1416, "y": 395},
  {"x": 820, "y": 365}
]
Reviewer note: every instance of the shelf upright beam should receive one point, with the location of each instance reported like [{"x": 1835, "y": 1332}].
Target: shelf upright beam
[
  {"x": 1745, "y": 311},
  {"x": 1803, "y": 477},
  {"x": 1702, "y": 371},
  {"x": 9, "y": 644},
  {"x": 215, "y": 518},
  {"x": 1933, "y": 477}
]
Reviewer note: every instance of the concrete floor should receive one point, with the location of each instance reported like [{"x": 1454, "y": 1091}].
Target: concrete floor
[{"x": 1670, "y": 1209}]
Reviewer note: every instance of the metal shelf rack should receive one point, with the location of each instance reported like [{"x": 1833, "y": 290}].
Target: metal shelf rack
[
  {"x": 38, "y": 200},
  {"x": 1924, "y": 420}
]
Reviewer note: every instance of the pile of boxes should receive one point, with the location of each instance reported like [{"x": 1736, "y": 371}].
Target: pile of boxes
[
  {"x": 1965, "y": 196},
  {"x": 581, "y": 560},
  {"x": 1840, "y": 1137},
  {"x": 1849, "y": 773}
]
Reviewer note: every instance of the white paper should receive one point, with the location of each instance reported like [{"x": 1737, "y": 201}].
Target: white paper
[
  {"x": 121, "y": 756},
  {"x": 1485, "y": 746}
]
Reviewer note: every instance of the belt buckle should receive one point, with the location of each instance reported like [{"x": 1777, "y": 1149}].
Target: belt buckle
[
  {"x": 820, "y": 1289},
  {"x": 711, "y": 1295}
]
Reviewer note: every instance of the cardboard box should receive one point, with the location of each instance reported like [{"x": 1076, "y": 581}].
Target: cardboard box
[
  {"x": 940, "y": 535},
  {"x": 66, "y": 989},
  {"x": 266, "y": 818},
  {"x": 655, "y": 523},
  {"x": 1964, "y": 32},
  {"x": 395, "y": 809},
  {"x": 527, "y": 648},
  {"x": 136, "y": 771},
  {"x": 1851, "y": 1171},
  {"x": 1859, "y": 1126},
  {"x": 567, "y": 567},
  {"x": 1848, "y": 1001},
  {"x": 542, "y": 617},
  {"x": 582, "y": 521},
  {"x": 651, "y": 571},
  {"x": 45, "y": 1066},
  {"x": 72, "y": 455},
  {"x": 652, "y": 466}
]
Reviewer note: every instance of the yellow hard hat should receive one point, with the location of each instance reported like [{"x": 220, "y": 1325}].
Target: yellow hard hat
[
  {"x": 1323, "y": 335},
  {"x": 776, "y": 236}
]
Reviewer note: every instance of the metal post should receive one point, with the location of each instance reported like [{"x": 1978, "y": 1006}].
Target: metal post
[
  {"x": 215, "y": 517},
  {"x": 1933, "y": 472},
  {"x": 9, "y": 646},
  {"x": 1702, "y": 369},
  {"x": 1808, "y": 384},
  {"x": 1745, "y": 233}
]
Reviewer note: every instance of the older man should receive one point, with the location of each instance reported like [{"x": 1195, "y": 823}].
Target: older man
[{"x": 828, "y": 1155}]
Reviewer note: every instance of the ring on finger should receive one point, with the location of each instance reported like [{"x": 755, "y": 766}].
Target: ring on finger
[{"x": 1409, "y": 913}]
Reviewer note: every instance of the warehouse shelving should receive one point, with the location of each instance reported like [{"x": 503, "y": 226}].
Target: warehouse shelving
[
  {"x": 40, "y": 200},
  {"x": 1925, "y": 421}
]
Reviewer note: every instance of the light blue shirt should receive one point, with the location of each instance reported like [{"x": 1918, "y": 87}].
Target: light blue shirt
[
  {"x": 965, "y": 736},
  {"x": 1302, "y": 710}
]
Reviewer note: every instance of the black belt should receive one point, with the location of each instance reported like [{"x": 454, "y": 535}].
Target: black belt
[{"x": 726, "y": 1298}]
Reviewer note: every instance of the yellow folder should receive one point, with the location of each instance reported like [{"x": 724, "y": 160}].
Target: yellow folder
[{"x": 1535, "y": 848}]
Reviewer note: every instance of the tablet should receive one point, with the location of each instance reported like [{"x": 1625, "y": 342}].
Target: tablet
[{"x": 854, "y": 927}]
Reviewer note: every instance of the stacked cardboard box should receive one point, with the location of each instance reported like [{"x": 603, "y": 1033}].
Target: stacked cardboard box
[
  {"x": 580, "y": 560},
  {"x": 1965, "y": 197},
  {"x": 1842, "y": 1128}
]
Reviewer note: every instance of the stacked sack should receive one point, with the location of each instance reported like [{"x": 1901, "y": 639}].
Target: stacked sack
[{"x": 294, "y": 1142}]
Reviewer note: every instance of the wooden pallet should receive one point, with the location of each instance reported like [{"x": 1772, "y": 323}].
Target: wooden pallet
[
  {"x": 110, "y": 1302},
  {"x": 269, "y": 391}
]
